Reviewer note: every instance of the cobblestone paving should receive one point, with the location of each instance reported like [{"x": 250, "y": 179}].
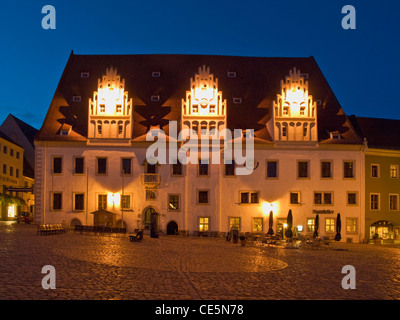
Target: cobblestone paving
[{"x": 187, "y": 268}]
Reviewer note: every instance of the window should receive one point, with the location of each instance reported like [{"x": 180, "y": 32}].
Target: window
[
  {"x": 302, "y": 167},
  {"x": 79, "y": 202},
  {"x": 323, "y": 198},
  {"x": 99, "y": 129},
  {"x": 203, "y": 169},
  {"x": 150, "y": 195},
  {"x": 118, "y": 108},
  {"x": 351, "y": 198},
  {"x": 76, "y": 98},
  {"x": 326, "y": 169},
  {"x": 57, "y": 165},
  {"x": 177, "y": 169},
  {"x": 294, "y": 197},
  {"x": 348, "y": 169},
  {"x": 155, "y": 98},
  {"x": 4, "y": 168},
  {"x": 204, "y": 224},
  {"x": 393, "y": 202},
  {"x": 284, "y": 131},
  {"x": 78, "y": 165},
  {"x": 394, "y": 171},
  {"x": 17, "y": 173},
  {"x": 102, "y": 108},
  {"x": 17, "y": 155},
  {"x": 351, "y": 225},
  {"x": 156, "y": 74},
  {"x": 374, "y": 201},
  {"x": 234, "y": 222},
  {"x": 57, "y": 201},
  {"x": 202, "y": 197},
  {"x": 330, "y": 225},
  {"x": 374, "y": 170},
  {"x": 102, "y": 202},
  {"x": 173, "y": 202},
  {"x": 4, "y": 149},
  {"x": 230, "y": 168},
  {"x": 237, "y": 100},
  {"x": 249, "y": 197},
  {"x": 11, "y": 152},
  {"x": 151, "y": 168},
  {"x": 272, "y": 169},
  {"x": 310, "y": 225},
  {"x": 126, "y": 201},
  {"x": 127, "y": 166},
  {"x": 101, "y": 165},
  {"x": 257, "y": 225},
  {"x": 84, "y": 75}
]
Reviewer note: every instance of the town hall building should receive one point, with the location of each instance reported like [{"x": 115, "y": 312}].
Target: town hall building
[{"x": 92, "y": 169}]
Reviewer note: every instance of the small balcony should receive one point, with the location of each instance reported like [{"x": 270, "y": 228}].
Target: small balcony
[{"x": 151, "y": 180}]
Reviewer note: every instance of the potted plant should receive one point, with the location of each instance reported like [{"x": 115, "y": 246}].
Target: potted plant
[
  {"x": 377, "y": 239},
  {"x": 242, "y": 240}
]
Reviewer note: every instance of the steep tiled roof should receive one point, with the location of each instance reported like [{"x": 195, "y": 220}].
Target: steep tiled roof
[
  {"x": 379, "y": 133},
  {"x": 257, "y": 82}
]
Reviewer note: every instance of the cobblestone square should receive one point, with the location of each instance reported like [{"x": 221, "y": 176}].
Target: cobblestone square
[{"x": 90, "y": 267}]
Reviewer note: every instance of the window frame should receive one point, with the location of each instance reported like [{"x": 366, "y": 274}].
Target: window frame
[
  {"x": 83, "y": 166},
  {"x": 53, "y": 158},
  {"x": 330, "y": 169},
  {"x": 267, "y": 176},
  {"x": 74, "y": 194},
  {"x": 378, "y": 201},
  {"x": 97, "y": 166},
  {"x": 298, "y": 169},
  {"x": 198, "y": 197},
  {"x": 52, "y": 198},
  {"x": 397, "y": 201},
  {"x": 353, "y": 170},
  {"x": 169, "y": 202}
]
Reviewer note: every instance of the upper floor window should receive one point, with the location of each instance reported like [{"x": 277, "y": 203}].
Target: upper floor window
[
  {"x": 57, "y": 165},
  {"x": 101, "y": 165},
  {"x": 272, "y": 169},
  {"x": 394, "y": 171},
  {"x": 374, "y": 170},
  {"x": 249, "y": 197},
  {"x": 230, "y": 168},
  {"x": 303, "y": 171},
  {"x": 326, "y": 169},
  {"x": 203, "y": 169},
  {"x": 348, "y": 169},
  {"x": 127, "y": 166},
  {"x": 78, "y": 165}
]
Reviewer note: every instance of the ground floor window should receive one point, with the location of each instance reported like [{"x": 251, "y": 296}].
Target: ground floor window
[
  {"x": 257, "y": 225},
  {"x": 351, "y": 225},
  {"x": 79, "y": 202},
  {"x": 204, "y": 224},
  {"x": 57, "y": 201},
  {"x": 126, "y": 201},
  {"x": 234, "y": 222},
  {"x": 173, "y": 202},
  {"x": 310, "y": 225},
  {"x": 329, "y": 225},
  {"x": 384, "y": 230}
]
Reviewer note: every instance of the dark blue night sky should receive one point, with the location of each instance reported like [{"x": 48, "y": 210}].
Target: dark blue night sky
[{"x": 362, "y": 65}]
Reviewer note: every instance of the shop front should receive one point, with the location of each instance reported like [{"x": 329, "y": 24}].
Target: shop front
[{"x": 385, "y": 230}]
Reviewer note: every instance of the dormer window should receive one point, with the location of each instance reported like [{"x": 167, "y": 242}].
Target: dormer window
[
  {"x": 335, "y": 136},
  {"x": 155, "y": 98},
  {"x": 237, "y": 100},
  {"x": 156, "y": 74},
  {"x": 231, "y": 74},
  {"x": 64, "y": 132},
  {"x": 76, "y": 99},
  {"x": 84, "y": 75}
]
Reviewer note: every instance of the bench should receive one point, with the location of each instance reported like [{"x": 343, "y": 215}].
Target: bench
[
  {"x": 47, "y": 229},
  {"x": 98, "y": 229},
  {"x": 136, "y": 235}
]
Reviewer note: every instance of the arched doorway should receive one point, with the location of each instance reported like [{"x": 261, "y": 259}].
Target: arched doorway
[
  {"x": 386, "y": 230},
  {"x": 172, "y": 228}
]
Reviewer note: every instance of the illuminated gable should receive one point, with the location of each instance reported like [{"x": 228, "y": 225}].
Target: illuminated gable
[
  {"x": 110, "y": 110},
  {"x": 294, "y": 112},
  {"x": 204, "y": 110}
]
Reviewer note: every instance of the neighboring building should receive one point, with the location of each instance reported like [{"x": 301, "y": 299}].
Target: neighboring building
[
  {"x": 382, "y": 176},
  {"x": 91, "y": 165},
  {"x": 11, "y": 175},
  {"x": 23, "y": 134}
]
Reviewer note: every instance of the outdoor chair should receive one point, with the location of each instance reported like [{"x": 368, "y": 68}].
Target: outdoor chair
[{"x": 136, "y": 235}]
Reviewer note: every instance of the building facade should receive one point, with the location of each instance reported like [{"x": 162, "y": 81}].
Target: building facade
[
  {"x": 382, "y": 180},
  {"x": 92, "y": 152},
  {"x": 11, "y": 176}
]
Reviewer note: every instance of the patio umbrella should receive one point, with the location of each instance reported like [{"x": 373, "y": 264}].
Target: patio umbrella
[
  {"x": 288, "y": 232},
  {"x": 338, "y": 237},
  {"x": 316, "y": 226},
  {"x": 271, "y": 222}
]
